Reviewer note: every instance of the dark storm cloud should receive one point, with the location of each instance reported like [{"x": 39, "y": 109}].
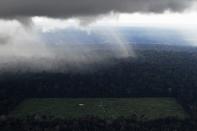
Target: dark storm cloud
[
  {"x": 26, "y": 21},
  {"x": 69, "y": 8}
]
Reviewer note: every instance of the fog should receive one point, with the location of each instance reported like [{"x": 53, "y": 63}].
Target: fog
[{"x": 22, "y": 48}]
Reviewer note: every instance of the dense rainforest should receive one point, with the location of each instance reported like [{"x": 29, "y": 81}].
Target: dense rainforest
[{"x": 152, "y": 73}]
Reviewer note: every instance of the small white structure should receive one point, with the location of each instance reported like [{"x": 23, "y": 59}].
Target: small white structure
[{"x": 81, "y": 104}]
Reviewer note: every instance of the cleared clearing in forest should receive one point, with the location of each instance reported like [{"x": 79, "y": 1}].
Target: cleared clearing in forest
[{"x": 144, "y": 108}]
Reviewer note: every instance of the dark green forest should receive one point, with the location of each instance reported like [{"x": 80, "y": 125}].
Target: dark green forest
[{"x": 152, "y": 73}]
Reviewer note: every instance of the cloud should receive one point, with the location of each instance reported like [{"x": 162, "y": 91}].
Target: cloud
[
  {"x": 72, "y": 8},
  {"x": 25, "y": 21},
  {"x": 25, "y": 49},
  {"x": 4, "y": 39},
  {"x": 22, "y": 46}
]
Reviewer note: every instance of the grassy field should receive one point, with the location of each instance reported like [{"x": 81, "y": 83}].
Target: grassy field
[{"x": 150, "y": 108}]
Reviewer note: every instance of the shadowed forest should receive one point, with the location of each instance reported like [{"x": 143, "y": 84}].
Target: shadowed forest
[{"x": 153, "y": 73}]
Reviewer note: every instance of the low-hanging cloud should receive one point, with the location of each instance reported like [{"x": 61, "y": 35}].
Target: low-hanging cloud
[
  {"x": 21, "y": 46},
  {"x": 25, "y": 49},
  {"x": 4, "y": 39},
  {"x": 72, "y": 8}
]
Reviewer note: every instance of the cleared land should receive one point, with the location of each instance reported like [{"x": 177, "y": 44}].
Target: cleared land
[{"x": 149, "y": 108}]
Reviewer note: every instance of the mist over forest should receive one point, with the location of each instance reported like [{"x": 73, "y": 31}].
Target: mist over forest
[{"x": 98, "y": 65}]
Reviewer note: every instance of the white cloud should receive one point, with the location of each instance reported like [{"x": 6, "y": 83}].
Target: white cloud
[
  {"x": 25, "y": 44},
  {"x": 167, "y": 19}
]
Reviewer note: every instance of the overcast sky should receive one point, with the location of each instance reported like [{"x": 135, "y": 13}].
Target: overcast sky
[
  {"x": 11, "y": 9},
  {"x": 107, "y": 11},
  {"x": 69, "y": 8},
  {"x": 22, "y": 22}
]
